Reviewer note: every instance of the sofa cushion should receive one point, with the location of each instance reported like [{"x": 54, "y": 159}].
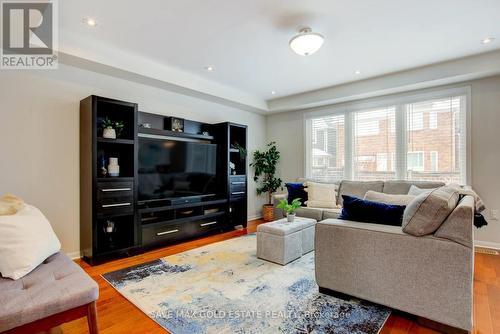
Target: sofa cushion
[
  {"x": 331, "y": 213},
  {"x": 358, "y": 188},
  {"x": 393, "y": 199},
  {"x": 57, "y": 285},
  {"x": 296, "y": 190},
  {"x": 320, "y": 195},
  {"x": 307, "y": 212},
  {"x": 428, "y": 211},
  {"x": 402, "y": 187},
  {"x": 415, "y": 191},
  {"x": 357, "y": 209}
]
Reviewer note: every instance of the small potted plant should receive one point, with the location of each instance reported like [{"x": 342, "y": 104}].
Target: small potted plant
[
  {"x": 111, "y": 129},
  {"x": 289, "y": 208}
]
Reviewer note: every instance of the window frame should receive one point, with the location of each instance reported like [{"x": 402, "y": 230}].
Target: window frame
[{"x": 399, "y": 101}]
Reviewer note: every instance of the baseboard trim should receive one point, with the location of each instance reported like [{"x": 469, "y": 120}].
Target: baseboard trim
[
  {"x": 487, "y": 244},
  {"x": 74, "y": 255},
  {"x": 254, "y": 217}
]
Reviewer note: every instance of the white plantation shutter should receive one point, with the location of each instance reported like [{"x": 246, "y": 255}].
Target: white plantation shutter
[
  {"x": 374, "y": 144},
  {"x": 440, "y": 137},
  {"x": 420, "y": 137},
  {"x": 326, "y": 149}
]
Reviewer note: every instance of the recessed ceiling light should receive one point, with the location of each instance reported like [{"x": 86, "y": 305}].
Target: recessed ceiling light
[
  {"x": 209, "y": 68},
  {"x": 90, "y": 21},
  {"x": 273, "y": 92},
  {"x": 357, "y": 72},
  {"x": 306, "y": 42},
  {"x": 487, "y": 40}
]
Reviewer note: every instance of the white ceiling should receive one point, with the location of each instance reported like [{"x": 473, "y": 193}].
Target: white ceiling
[{"x": 247, "y": 41}]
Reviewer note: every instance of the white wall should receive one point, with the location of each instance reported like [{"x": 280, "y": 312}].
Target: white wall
[
  {"x": 39, "y": 129},
  {"x": 287, "y": 130}
]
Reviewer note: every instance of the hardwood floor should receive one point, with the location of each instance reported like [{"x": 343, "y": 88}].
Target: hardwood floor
[{"x": 117, "y": 315}]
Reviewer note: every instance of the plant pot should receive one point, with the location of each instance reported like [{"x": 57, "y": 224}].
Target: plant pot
[
  {"x": 109, "y": 133},
  {"x": 268, "y": 212},
  {"x": 290, "y": 217}
]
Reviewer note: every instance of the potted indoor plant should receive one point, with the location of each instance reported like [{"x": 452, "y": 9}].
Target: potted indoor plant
[
  {"x": 289, "y": 208},
  {"x": 111, "y": 129},
  {"x": 264, "y": 164}
]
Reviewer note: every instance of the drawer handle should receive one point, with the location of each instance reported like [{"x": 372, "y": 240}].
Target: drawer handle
[
  {"x": 166, "y": 232},
  {"x": 115, "y": 205},
  {"x": 238, "y": 182},
  {"x": 238, "y": 193},
  {"x": 115, "y": 189},
  {"x": 208, "y": 224}
]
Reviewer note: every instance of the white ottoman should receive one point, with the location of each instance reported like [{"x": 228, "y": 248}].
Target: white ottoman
[{"x": 282, "y": 242}]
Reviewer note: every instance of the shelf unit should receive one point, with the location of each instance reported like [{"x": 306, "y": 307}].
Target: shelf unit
[
  {"x": 108, "y": 217},
  {"x": 233, "y": 181},
  {"x": 137, "y": 226}
]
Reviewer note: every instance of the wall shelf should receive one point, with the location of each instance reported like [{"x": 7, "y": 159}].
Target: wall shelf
[
  {"x": 115, "y": 141},
  {"x": 168, "y": 133}
]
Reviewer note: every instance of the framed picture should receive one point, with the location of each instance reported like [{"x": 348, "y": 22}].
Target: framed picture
[{"x": 174, "y": 124}]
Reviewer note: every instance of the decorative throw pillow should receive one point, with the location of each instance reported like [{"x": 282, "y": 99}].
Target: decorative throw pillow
[
  {"x": 362, "y": 210},
  {"x": 296, "y": 190},
  {"x": 320, "y": 195},
  {"x": 375, "y": 196},
  {"x": 10, "y": 204},
  {"x": 358, "y": 188},
  {"x": 26, "y": 240},
  {"x": 415, "y": 191},
  {"x": 428, "y": 211}
]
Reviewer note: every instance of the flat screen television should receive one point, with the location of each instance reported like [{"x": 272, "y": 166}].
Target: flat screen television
[{"x": 171, "y": 169}]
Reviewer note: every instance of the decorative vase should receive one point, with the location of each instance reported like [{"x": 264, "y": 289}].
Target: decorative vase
[
  {"x": 113, "y": 167},
  {"x": 109, "y": 133},
  {"x": 290, "y": 217},
  {"x": 268, "y": 212}
]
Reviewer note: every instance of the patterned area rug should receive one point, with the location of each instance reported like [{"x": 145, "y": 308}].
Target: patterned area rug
[{"x": 224, "y": 288}]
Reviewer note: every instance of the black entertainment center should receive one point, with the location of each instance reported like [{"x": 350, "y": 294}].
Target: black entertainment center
[{"x": 173, "y": 179}]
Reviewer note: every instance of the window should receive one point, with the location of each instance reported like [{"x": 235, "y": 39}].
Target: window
[
  {"x": 434, "y": 161},
  {"x": 415, "y": 161},
  {"x": 381, "y": 162},
  {"x": 415, "y": 120},
  {"x": 326, "y": 154},
  {"x": 421, "y": 137},
  {"x": 445, "y": 140},
  {"x": 433, "y": 119},
  {"x": 370, "y": 144}
]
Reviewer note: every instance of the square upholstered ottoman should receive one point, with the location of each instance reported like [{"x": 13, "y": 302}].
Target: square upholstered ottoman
[{"x": 282, "y": 242}]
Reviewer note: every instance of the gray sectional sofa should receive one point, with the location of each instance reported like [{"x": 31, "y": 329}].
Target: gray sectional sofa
[{"x": 429, "y": 276}]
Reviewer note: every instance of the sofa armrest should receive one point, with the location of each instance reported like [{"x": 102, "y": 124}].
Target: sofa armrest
[{"x": 278, "y": 213}]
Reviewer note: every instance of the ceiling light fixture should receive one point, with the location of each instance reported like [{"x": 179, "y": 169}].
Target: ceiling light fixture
[
  {"x": 90, "y": 21},
  {"x": 306, "y": 42},
  {"x": 273, "y": 92},
  {"x": 209, "y": 68},
  {"x": 357, "y": 72},
  {"x": 487, "y": 40}
]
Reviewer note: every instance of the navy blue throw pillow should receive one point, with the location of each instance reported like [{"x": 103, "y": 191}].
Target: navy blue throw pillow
[
  {"x": 361, "y": 210},
  {"x": 296, "y": 190}
]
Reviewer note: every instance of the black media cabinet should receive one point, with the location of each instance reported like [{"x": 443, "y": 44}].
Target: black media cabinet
[{"x": 138, "y": 226}]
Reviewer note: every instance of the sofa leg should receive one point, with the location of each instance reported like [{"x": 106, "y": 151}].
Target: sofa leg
[{"x": 92, "y": 318}]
